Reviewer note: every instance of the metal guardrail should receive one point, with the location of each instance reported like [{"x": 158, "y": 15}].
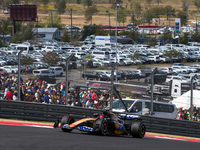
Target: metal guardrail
[{"x": 47, "y": 112}]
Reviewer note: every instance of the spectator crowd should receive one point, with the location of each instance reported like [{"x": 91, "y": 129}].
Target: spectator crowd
[{"x": 39, "y": 91}]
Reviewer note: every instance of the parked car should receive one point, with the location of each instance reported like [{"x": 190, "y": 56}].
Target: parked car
[
  {"x": 44, "y": 73},
  {"x": 10, "y": 69},
  {"x": 180, "y": 78},
  {"x": 57, "y": 70},
  {"x": 158, "y": 78}
]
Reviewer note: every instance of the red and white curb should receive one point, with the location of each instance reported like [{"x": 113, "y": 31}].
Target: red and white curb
[
  {"x": 27, "y": 124},
  {"x": 39, "y": 125},
  {"x": 172, "y": 138}
]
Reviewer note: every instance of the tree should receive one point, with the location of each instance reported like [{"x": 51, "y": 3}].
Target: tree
[
  {"x": 45, "y": 2},
  {"x": 89, "y": 12},
  {"x": 5, "y": 3},
  {"x": 56, "y": 21},
  {"x": 182, "y": 14},
  {"x": 152, "y": 41},
  {"x": 101, "y": 31},
  {"x": 66, "y": 37},
  {"x": 78, "y": 1},
  {"x": 5, "y": 27},
  {"x": 197, "y": 3},
  {"x": 154, "y": 12},
  {"x": 113, "y": 2},
  {"x": 184, "y": 39},
  {"x": 196, "y": 36},
  {"x": 1, "y": 43},
  {"x": 137, "y": 8},
  {"x": 60, "y": 6},
  {"x": 88, "y": 30},
  {"x": 122, "y": 15},
  {"x": 158, "y": 2},
  {"x": 27, "y": 61},
  {"x": 51, "y": 58},
  {"x": 169, "y": 11},
  {"x": 149, "y": 3},
  {"x": 167, "y": 36},
  {"x": 26, "y": 33},
  {"x": 88, "y": 3},
  {"x": 172, "y": 53}
]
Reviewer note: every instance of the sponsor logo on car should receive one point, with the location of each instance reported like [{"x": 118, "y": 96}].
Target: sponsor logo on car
[
  {"x": 65, "y": 126},
  {"x": 85, "y": 128}
]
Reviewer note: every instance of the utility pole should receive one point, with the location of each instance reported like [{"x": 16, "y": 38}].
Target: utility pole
[
  {"x": 143, "y": 25},
  {"x": 196, "y": 25},
  {"x": 51, "y": 19},
  {"x": 71, "y": 22},
  {"x": 152, "y": 88},
  {"x": 109, "y": 20},
  {"x": 66, "y": 78},
  {"x": 191, "y": 96},
  {"x": 18, "y": 84},
  {"x": 187, "y": 7},
  {"x": 116, "y": 5},
  {"x": 133, "y": 17},
  {"x": 112, "y": 85}
]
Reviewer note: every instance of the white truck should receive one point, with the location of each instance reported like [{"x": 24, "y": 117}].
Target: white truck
[{"x": 102, "y": 40}]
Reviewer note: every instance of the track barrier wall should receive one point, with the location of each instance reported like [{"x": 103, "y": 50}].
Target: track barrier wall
[{"x": 49, "y": 112}]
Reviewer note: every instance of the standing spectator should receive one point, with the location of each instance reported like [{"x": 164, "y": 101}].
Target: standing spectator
[
  {"x": 37, "y": 95},
  {"x": 9, "y": 95},
  {"x": 94, "y": 95},
  {"x": 26, "y": 70},
  {"x": 6, "y": 91},
  {"x": 15, "y": 95},
  {"x": 185, "y": 115},
  {"x": 46, "y": 98}
]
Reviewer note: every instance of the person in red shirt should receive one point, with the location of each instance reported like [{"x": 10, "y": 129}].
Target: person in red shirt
[
  {"x": 94, "y": 95},
  {"x": 9, "y": 95}
]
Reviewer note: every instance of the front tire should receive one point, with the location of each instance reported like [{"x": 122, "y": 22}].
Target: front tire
[
  {"x": 101, "y": 127},
  {"x": 67, "y": 119},
  {"x": 138, "y": 129}
]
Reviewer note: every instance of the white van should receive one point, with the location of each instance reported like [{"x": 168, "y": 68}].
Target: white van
[
  {"x": 143, "y": 107},
  {"x": 28, "y": 49},
  {"x": 57, "y": 70},
  {"x": 100, "y": 54},
  {"x": 44, "y": 73}
]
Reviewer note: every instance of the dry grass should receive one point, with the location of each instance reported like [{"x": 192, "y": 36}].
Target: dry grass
[{"x": 102, "y": 18}]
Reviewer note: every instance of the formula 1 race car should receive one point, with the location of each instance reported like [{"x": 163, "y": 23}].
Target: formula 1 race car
[{"x": 105, "y": 124}]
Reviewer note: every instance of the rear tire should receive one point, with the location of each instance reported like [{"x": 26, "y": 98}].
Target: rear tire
[
  {"x": 67, "y": 119},
  {"x": 138, "y": 129},
  {"x": 101, "y": 127}
]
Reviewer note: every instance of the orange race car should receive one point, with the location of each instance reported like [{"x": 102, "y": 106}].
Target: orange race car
[{"x": 106, "y": 123}]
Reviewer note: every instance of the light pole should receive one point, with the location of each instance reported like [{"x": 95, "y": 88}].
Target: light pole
[
  {"x": 109, "y": 21},
  {"x": 66, "y": 78},
  {"x": 18, "y": 85},
  {"x": 152, "y": 87},
  {"x": 116, "y": 5},
  {"x": 71, "y": 22},
  {"x": 191, "y": 97}
]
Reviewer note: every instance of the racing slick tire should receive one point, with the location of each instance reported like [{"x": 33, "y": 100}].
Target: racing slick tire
[
  {"x": 67, "y": 119},
  {"x": 138, "y": 129},
  {"x": 101, "y": 127}
]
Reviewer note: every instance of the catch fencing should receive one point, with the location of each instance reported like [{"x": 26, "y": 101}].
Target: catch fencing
[{"x": 49, "y": 112}]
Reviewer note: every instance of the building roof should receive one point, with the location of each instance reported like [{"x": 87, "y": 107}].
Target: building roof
[{"x": 45, "y": 30}]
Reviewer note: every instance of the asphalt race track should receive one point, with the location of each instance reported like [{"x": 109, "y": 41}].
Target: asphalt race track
[{"x": 33, "y": 138}]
